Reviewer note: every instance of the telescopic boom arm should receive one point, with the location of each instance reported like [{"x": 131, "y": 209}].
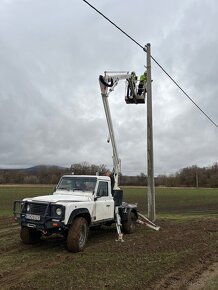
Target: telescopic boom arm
[{"x": 107, "y": 85}]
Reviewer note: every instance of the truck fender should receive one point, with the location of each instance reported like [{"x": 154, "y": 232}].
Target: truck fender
[
  {"x": 125, "y": 213},
  {"x": 79, "y": 212}
]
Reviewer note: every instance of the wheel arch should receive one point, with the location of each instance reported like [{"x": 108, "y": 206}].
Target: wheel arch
[
  {"x": 129, "y": 221},
  {"x": 134, "y": 210},
  {"x": 80, "y": 212},
  {"x": 125, "y": 212}
]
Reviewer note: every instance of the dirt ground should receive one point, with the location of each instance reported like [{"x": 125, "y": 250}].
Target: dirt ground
[
  {"x": 199, "y": 266},
  {"x": 182, "y": 255},
  {"x": 205, "y": 278}
]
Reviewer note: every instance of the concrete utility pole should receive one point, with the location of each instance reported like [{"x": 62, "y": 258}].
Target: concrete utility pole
[{"x": 150, "y": 161}]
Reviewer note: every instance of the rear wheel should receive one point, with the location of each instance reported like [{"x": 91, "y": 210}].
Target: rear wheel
[
  {"x": 77, "y": 235},
  {"x": 29, "y": 235},
  {"x": 129, "y": 226}
]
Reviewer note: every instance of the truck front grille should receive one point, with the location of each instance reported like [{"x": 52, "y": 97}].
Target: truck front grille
[{"x": 37, "y": 208}]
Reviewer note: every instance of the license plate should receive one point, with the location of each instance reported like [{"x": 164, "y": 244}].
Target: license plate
[{"x": 33, "y": 217}]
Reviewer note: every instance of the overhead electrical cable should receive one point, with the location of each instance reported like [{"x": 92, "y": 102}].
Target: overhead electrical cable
[
  {"x": 158, "y": 64},
  {"x": 175, "y": 82},
  {"x": 113, "y": 24}
]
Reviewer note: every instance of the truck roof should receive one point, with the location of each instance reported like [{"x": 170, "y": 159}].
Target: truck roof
[{"x": 102, "y": 177}]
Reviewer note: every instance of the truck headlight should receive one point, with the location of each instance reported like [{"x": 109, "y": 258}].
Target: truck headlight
[
  {"x": 28, "y": 208},
  {"x": 58, "y": 211}
]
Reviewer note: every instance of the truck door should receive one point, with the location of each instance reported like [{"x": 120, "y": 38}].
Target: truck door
[{"x": 104, "y": 202}]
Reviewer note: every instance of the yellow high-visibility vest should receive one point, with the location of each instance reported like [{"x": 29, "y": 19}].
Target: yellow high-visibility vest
[{"x": 143, "y": 78}]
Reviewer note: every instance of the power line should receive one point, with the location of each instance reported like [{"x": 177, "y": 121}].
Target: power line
[
  {"x": 184, "y": 92},
  {"x": 113, "y": 24},
  {"x": 160, "y": 66}
]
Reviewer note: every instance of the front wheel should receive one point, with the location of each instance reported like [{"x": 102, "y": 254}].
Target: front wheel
[
  {"x": 77, "y": 235},
  {"x": 29, "y": 235},
  {"x": 129, "y": 226}
]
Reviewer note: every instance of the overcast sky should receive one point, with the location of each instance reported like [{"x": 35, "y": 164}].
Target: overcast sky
[{"x": 51, "y": 54}]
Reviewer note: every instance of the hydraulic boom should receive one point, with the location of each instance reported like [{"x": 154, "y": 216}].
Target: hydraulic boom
[
  {"x": 135, "y": 94},
  {"x": 107, "y": 85}
]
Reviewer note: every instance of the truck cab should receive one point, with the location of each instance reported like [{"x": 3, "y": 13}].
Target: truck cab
[{"x": 95, "y": 190}]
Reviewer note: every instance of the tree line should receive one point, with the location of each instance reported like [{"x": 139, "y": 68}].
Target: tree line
[
  {"x": 192, "y": 176},
  {"x": 47, "y": 174},
  {"x": 188, "y": 177}
]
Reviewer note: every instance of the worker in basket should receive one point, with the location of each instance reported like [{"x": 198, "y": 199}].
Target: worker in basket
[
  {"x": 130, "y": 90},
  {"x": 142, "y": 84}
]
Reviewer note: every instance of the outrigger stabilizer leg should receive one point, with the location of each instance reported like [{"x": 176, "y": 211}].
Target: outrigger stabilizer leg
[
  {"x": 118, "y": 225},
  {"x": 147, "y": 222},
  {"x": 144, "y": 221}
]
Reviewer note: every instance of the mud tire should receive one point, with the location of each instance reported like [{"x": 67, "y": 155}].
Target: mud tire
[
  {"x": 129, "y": 226},
  {"x": 77, "y": 235},
  {"x": 29, "y": 235}
]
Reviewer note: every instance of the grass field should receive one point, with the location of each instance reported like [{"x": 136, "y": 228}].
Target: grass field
[
  {"x": 174, "y": 258},
  {"x": 170, "y": 202},
  {"x": 8, "y": 194}
]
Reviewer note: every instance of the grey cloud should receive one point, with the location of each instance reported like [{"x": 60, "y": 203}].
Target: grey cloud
[{"x": 51, "y": 55}]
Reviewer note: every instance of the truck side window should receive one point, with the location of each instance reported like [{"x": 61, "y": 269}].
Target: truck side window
[{"x": 102, "y": 188}]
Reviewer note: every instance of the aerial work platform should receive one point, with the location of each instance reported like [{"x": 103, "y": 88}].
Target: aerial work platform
[
  {"x": 137, "y": 99},
  {"x": 135, "y": 89}
]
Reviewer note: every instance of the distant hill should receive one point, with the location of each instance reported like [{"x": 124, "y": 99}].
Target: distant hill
[
  {"x": 36, "y": 168},
  {"x": 39, "y": 174},
  {"x": 39, "y": 168}
]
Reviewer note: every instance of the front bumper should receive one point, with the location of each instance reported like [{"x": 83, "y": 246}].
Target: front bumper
[{"x": 39, "y": 215}]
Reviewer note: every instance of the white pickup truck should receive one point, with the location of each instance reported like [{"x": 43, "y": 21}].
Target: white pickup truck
[{"x": 78, "y": 203}]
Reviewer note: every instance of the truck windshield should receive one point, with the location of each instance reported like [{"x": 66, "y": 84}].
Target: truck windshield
[{"x": 77, "y": 183}]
